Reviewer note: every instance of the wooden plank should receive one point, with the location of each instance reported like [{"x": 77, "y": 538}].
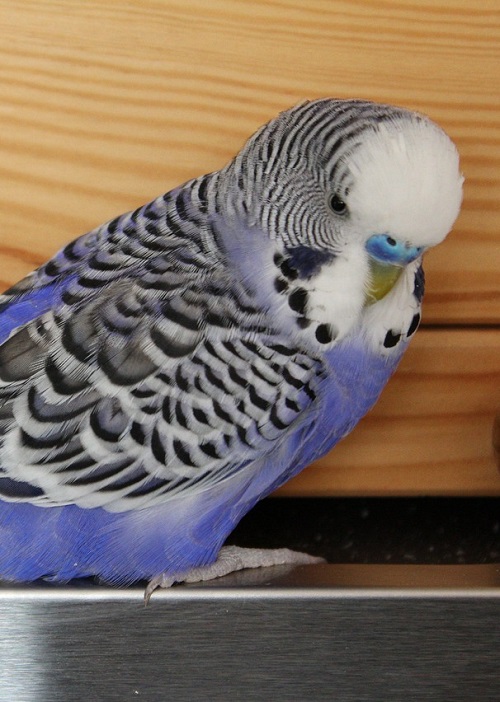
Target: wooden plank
[
  {"x": 431, "y": 431},
  {"x": 105, "y": 105}
]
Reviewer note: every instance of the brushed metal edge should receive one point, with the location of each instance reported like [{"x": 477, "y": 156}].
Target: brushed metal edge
[{"x": 318, "y": 582}]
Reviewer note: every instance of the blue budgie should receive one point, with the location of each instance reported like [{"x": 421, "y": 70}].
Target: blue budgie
[{"x": 164, "y": 372}]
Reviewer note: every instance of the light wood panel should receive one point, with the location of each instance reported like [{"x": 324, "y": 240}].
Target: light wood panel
[
  {"x": 104, "y": 105},
  {"x": 431, "y": 431}
]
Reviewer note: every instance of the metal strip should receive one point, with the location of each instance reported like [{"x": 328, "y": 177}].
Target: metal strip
[{"x": 332, "y": 632}]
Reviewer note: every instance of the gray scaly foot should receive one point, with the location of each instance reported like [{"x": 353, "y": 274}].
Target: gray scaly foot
[{"x": 229, "y": 560}]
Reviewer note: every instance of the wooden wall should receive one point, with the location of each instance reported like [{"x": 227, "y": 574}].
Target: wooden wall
[{"x": 105, "y": 105}]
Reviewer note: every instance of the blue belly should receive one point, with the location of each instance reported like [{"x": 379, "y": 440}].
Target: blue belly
[{"x": 67, "y": 542}]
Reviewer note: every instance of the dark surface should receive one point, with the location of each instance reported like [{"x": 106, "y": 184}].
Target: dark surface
[
  {"x": 378, "y": 530},
  {"x": 199, "y": 644}
]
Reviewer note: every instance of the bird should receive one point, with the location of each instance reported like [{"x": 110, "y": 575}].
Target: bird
[{"x": 164, "y": 372}]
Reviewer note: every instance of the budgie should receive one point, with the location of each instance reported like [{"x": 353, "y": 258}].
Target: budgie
[{"x": 164, "y": 372}]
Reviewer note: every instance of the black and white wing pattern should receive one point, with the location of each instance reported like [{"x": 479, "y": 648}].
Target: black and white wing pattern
[{"x": 140, "y": 367}]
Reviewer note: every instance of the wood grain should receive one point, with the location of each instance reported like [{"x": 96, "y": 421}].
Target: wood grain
[
  {"x": 105, "y": 105},
  {"x": 431, "y": 431}
]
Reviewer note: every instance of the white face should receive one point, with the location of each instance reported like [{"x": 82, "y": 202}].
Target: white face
[{"x": 406, "y": 183}]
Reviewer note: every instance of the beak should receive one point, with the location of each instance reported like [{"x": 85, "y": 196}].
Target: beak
[
  {"x": 383, "y": 277},
  {"x": 388, "y": 258}
]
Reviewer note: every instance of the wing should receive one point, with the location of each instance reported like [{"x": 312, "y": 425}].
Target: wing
[{"x": 146, "y": 369}]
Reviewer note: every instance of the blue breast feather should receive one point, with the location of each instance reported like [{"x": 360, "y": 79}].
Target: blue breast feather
[{"x": 62, "y": 543}]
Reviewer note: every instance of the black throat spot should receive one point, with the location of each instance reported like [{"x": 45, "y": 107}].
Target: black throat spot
[{"x": 304, "y": 261}]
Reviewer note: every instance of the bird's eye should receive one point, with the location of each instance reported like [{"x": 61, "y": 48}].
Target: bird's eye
[{"x": 337, "y": 205}]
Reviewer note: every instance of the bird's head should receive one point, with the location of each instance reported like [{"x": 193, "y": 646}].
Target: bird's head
[{"x": 353, "y": 192}]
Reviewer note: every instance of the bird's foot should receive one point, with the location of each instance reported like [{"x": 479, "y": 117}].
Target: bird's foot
[{"x": 229, "y": 560}]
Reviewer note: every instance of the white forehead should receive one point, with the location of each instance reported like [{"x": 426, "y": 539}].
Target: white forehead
[{"x": 406, "y": 181}]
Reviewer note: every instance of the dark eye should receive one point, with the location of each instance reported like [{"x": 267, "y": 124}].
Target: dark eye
[{"x": 337, "y": 205}]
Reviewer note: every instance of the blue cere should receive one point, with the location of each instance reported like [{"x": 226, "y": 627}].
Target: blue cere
[{"x": 386, "y": 249}]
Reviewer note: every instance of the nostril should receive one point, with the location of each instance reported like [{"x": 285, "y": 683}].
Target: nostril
[{"x": 389, "y": 250}]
